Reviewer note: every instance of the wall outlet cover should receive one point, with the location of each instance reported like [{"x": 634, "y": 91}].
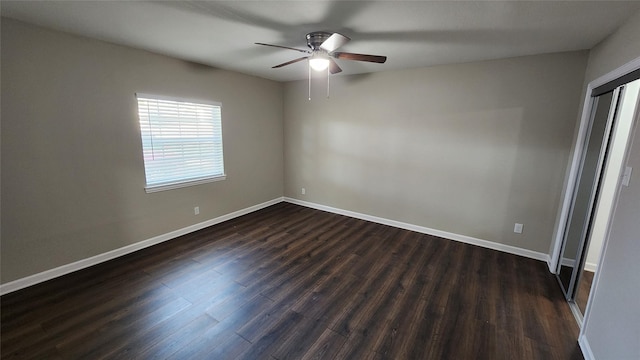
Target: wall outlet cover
[{"x": 517, "y": 228}]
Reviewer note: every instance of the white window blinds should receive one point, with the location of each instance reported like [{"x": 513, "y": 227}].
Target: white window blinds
[{"x": 181, "y": 142}]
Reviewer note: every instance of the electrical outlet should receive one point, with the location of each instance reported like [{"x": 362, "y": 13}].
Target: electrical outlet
[
  {"x": 303, "y": 191},
  {"x": 518, "y": 228},
  {"x": 196, "y": 210}
]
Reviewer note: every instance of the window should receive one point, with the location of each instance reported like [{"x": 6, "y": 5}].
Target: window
[{"x": 181, "y": 141}]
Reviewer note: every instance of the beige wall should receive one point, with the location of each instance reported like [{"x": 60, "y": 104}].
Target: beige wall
[
  {"x": 615, "y": 51},
  {"x": 72, "y": 169},
  {"x": 613, "y": 325},
  {"x": 615, "y": 158},
  {"x": 468, "y": 149},
  {"x": 612, "y": 320}
]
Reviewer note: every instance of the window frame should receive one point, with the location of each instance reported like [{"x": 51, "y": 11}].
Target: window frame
[{"x": 185, "y": 182}]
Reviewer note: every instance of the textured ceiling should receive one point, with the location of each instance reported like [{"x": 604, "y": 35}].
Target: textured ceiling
[{"x": 411, "y": 33}]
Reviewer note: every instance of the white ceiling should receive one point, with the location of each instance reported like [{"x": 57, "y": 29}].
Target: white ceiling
[{"x": 410, "y": 33}]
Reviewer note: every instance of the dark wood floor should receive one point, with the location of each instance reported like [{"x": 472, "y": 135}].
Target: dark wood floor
[{"x": 288, "y": 282}]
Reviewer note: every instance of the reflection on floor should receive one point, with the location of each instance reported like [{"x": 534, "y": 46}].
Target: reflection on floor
[
  {"x": 583, "y": 290},
  {"x": 565, "y": 275}
]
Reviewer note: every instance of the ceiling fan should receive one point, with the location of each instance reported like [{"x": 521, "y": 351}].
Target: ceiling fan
[{"x": 323, "y": 45}]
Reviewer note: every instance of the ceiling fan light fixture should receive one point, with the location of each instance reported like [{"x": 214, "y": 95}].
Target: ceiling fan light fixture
[
  {"x": 319, "y": 62},
  {"x": 322, "y": 47}
]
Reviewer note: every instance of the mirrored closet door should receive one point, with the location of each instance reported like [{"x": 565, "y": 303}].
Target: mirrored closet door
[
  {"x": 585, "y": 196},
  {"x": 613, "y": 108}
]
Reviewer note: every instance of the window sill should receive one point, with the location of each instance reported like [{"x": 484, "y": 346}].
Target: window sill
[{"x": 181, "y": 184}]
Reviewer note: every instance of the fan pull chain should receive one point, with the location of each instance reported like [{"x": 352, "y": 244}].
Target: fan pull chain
[{"x": 328, "y": 81}]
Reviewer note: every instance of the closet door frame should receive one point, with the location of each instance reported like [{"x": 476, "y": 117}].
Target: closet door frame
[
  {"x": 587, "y": 220},
  {"x": 576, "y": 157}
]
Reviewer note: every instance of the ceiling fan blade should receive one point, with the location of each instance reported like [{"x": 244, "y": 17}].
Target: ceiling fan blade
[
  {"x": 333, "y": 67},
  {"x": 333, "y": 42},
  {"x": 290, "y": 62},
  {"x": 285, "y": 47},
  {"x": 359, "y": 57}
]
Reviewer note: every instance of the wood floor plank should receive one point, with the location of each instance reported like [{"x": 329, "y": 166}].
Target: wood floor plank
[
  {"x": 326, "y": 346},
  {"x": 168, "y": 345},
  {"x": 298, "y": 342},
  {"x": 231, "y": 348},
  {"x": 272, "y": 337},
  {"x": 205, "y": 288},
  {"x": 261, "y": 322},
  {"x": 289, "y": 282},
  {"x": 130, "y": 302},
  {"x": 366, "y": 300},
  {"x": 331, "y": 289},
  {"x": 221, "y": 334},
  {"x": 110, "y": 338}
]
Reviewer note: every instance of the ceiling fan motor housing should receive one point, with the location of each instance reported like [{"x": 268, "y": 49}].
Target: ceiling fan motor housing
[{"x": 316, "y": 38}]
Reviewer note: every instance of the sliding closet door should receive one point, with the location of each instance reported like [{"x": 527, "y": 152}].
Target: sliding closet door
[{"x": 586, "y": 190}]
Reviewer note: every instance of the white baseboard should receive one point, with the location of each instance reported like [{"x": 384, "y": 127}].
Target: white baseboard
[
  {"x": 586, "y": 349},
  {"x": 568, "y": 262},
  {"x": 94, "y": 260},
  {"x": 425, "y": 230},
  {"x": 588, "y": 266}
]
